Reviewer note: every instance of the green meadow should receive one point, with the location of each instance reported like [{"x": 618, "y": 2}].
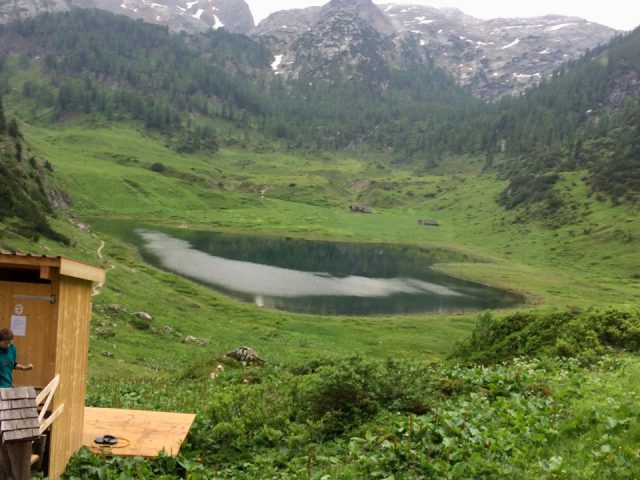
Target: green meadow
[
  {"x": 395, "y": 367},
  {"x": 107, "y": 172}
]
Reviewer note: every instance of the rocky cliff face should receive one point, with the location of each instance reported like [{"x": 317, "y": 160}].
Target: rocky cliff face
[
  {"x": 501, "y": 56},
  {"x": 189, "y": 15},
  {"x": 490, "y": 58},
  {"x": 192, "y": 16},
  {"x": 16, "y": 9},
  {"x": 346, "y": 37}
]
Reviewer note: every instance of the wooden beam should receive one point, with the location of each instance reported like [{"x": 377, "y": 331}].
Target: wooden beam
[
  {"x": 50, "y": 419},
  {"x": 51, "y": 387},
  {"x": 45, "y": 272},
  {"x": 9, "y": 260},
  {"x": 47, "y": 392},
  {"x": 71, "y": 268}
]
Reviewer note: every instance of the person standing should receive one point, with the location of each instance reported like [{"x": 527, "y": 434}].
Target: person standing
[{"x": 8, "y": 359}]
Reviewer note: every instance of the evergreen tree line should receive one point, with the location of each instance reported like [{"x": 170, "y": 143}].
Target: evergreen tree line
[
  {"x": 592, "y": 113},
  {"x": 157, "y": 77},
  {"x": 99, "y": 62},
  {"x": 3, "y": 120}
]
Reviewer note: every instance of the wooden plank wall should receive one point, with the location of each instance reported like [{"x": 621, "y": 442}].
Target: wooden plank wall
[
  {"x": 71, "y": 352},
  {"x": 38, "y": 346}
]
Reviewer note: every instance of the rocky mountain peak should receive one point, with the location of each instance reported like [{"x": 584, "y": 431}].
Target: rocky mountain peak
[
  {"x": 490, "y": 58},
  {"x": 364, "y": 10},
  {"x": 502, "y": 56},
  {"x": 14, "y": 10},
  {"x": 189, "y": 15}
]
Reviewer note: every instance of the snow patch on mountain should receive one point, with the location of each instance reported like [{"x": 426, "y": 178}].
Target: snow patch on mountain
[
  {"x": 512, "y": 44},
  {"x": 558, "y": 27}
]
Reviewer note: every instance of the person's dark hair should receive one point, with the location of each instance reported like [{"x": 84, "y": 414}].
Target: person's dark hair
[{"x": 5, "y": 334}]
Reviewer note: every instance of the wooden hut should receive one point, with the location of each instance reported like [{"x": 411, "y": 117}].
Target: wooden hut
[
  {"x": 354, "y": 208},
  {"x": 428, "y": 222},
  {"x": 46, "y": 301}
]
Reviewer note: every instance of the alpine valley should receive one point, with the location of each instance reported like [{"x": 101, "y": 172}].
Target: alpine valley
[{"x": 501, "y": 152}]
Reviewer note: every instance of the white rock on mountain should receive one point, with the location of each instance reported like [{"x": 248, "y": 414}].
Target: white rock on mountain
[
  {"x": 189, "y": 15},
  {"x": 18, "y": 9},
  {"x": 490, "y": 58},
  {"x": 502, "y": 56}
]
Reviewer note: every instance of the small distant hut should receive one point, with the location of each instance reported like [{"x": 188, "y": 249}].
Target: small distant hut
[
  {"x": 354, "y": 208},
  {"x": 428, "y": 222}
]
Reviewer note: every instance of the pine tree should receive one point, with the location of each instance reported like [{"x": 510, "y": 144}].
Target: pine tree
[{"x": 3, "y": 122}]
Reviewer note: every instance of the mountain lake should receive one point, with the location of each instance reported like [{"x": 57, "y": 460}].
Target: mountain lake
[{"x": 319, "y": 277}]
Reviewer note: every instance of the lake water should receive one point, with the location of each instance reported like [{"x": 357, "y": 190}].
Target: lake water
[{"x": 326, "y": 278}]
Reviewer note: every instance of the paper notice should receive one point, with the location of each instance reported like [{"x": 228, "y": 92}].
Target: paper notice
[{"x": 19, "y": 325}]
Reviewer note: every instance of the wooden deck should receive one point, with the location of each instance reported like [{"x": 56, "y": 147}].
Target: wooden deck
[{"x": 139, "y": 432}]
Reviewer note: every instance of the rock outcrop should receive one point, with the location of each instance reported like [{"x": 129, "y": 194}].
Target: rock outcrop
[
  {"x": 489, "y": 58},
  {"x": 191, "y": 16}
]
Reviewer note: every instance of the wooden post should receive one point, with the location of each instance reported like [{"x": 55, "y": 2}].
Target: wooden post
[
  {"x": 19, "y": 425},
  {"x": 18, "y": 459}
]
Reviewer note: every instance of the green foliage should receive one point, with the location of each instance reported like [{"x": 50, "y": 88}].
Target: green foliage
[
  {"x": 23, "y": 190},
  {"x": 345, "y": 394},
  {"x": 3, "y": 120},
  {"x": 520, "y": 419},
  {"x": 157, "y": 167},
  {"x": 583, "y": 334},
  {"x": 87, "y": 466},
  {"x": 161, "y": 78},
  {"x": 614, "y": 159},
  {"x": 527, "y": 188}
]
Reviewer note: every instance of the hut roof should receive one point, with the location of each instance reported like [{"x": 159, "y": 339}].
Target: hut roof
[
  {"x": 18, "y": 414},
  {"x": 66, "y": 266}
]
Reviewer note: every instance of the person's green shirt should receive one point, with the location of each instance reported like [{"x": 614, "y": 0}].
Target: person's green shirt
[{"x": 7, "y": 364}]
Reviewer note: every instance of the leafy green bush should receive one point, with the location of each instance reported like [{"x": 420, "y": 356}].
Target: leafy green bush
[
  {"x": 87, "y": 466},
  {"x": 520, "y": 419},
  {"x": 583, "y": 334}
]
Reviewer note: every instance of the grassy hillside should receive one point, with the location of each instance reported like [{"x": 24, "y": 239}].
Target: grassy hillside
[
  {"x": 27, "y": 191},
  {"x": 107, "y": 171},
  {"x": 340, "y": 397}
]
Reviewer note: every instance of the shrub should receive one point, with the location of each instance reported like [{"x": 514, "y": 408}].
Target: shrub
[
  {"x": 583, "y": 334},
  {"x": 157, "y": 167}
]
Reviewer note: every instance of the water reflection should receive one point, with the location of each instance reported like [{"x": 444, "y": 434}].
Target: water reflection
[
  {"x": 324, "y": 292},
  {"x": 265, "y": 280}
]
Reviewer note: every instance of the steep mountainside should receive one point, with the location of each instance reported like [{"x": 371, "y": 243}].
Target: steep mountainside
[
  {"x": 346, "y": 36},
  {"x": 501, "y": 56},
  {"x": 26, "y": 194},
  {"x": 586, "y": 119},
  {"x": 192, "y": 16},
  {"x": 489, "y": 58},
  {"x": 11, "y": 10},
  {"x": 380, "y": 94}
]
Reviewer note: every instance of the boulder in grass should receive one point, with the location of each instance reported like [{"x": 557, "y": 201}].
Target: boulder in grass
[
  {"x": 142, "y": 320},
  {"x": 198, "y": 341},
  {"x": 144, "y": 316},
  {"x": 246, "y": 355},
  {"x": 168, "y": 330}
]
